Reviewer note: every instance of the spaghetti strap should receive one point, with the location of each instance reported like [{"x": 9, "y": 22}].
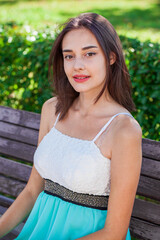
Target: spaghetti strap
[
  {"x": 56, "y": 120},
  {"x": 106, "y": 125}
]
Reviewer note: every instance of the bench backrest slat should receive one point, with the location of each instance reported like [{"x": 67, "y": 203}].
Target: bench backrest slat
[
  {"x": 144, "y": 230},
  {"x": 141, "y": 207},
  {"x": 15, "y": 169},
  {"x": 151, "y": 149},
  {"x": 5, "y": 201},
  {"x": 11, "y": 186},
  {"x": 18, "y": 133},
  {"x": 20, "y": 117},
  {"x": 150, "y": 168},
  {"x": 17, "y": 150},
  {"x": 149, "y": 187}
]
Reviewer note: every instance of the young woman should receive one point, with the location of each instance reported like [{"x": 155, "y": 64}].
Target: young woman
[{"x": 88, "y": 160}]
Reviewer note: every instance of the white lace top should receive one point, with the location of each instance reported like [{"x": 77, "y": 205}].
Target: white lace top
[{"x": 74, "y": 163}]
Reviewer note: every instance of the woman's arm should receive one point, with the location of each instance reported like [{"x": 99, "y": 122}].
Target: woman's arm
[
  {"x": 125, "y": 172},
  {"x": 24, "y": 203},
  {"x": 22, "y": 206}
]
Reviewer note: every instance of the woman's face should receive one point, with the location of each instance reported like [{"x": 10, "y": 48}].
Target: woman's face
[{"x": 84, "y": 61}]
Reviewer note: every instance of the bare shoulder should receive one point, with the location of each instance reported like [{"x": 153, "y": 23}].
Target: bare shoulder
[
  {"x": 127, "y": 130},
  {"x": 47, "y": 117},
  {"x": 48, "y": 109},
  {"x": 49, "y": 105}
]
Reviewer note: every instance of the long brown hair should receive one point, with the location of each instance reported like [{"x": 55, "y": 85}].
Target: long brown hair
[{"x": 117, "y": 82}]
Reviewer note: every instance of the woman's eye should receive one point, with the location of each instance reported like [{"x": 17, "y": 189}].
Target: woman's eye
[
  {"x": 90, "y": 54},
  {"x": 68, "y": 56}
]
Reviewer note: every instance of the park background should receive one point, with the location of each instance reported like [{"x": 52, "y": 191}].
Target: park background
[{"x": 28, "y": 30}]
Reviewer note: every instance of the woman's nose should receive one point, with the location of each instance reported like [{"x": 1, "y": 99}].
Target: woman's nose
[{"x": 79, "y": 64}]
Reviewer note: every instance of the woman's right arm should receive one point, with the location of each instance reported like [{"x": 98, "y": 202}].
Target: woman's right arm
[
  {"x": 24, "y": 203},
  {"x": 21, "y": 207}
]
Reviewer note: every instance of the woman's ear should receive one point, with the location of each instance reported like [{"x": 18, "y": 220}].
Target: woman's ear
[{"x": 112, "y": 58}]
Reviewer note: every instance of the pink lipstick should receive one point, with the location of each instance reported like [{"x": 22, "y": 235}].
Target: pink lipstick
[{"x": 81, "y": 78}]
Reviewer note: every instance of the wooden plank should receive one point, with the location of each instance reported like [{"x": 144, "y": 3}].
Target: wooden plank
[
  {"x": 14, "y": 169},
  {"x": 5, "y": 201},
  {"x": 151, "y": 168},
  {"x": 18, "y": 133},
  {"x": 149, "y": 187},
  {"x": 12, "y": 235},
  {"x": 20, "y": 117},
  {"x": 151, "y": 148},
  {"x": 144, "y": 230},
  {"x": 2, "y": 210},
  {"x": 147, "y": 211},
  {"x": 21, "y": 151},
  {"x": 11, "y": 186}
]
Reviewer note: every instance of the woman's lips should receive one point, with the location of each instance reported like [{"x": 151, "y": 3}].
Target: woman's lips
[{"x": 80, "y": 78}]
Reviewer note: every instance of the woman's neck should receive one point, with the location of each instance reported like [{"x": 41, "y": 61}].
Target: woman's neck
[{"x": 84, "y": 104}]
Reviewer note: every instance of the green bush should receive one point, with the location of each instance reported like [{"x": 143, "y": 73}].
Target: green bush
[
  {"x": 24, "y": 83},
  {"x": 143, "y": 61}
]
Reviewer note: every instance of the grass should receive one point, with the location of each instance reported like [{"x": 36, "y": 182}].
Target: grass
[{"x": 137, "y": 19}]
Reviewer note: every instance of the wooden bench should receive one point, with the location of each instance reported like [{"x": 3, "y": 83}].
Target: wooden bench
[{"x": 18, "y": 141}]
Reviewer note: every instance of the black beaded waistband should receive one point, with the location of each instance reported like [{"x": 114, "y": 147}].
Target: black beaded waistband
[{"x": 83, "y": 199}]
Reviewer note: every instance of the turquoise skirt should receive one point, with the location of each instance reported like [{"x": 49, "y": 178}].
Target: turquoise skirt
[{"x": 55, "y": 219}]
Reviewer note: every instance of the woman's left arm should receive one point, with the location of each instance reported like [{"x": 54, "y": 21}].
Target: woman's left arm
[{"x": 126, "y": 164}]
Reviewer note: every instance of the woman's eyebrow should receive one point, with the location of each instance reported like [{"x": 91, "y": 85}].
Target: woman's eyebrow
[{"x": 84, "y": 48}]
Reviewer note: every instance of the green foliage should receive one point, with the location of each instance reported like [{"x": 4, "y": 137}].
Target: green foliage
[
  {"x": 143, "y": 62},
  {"x": 24, "y": 73},
  {"x": 24, "y": 67}
]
